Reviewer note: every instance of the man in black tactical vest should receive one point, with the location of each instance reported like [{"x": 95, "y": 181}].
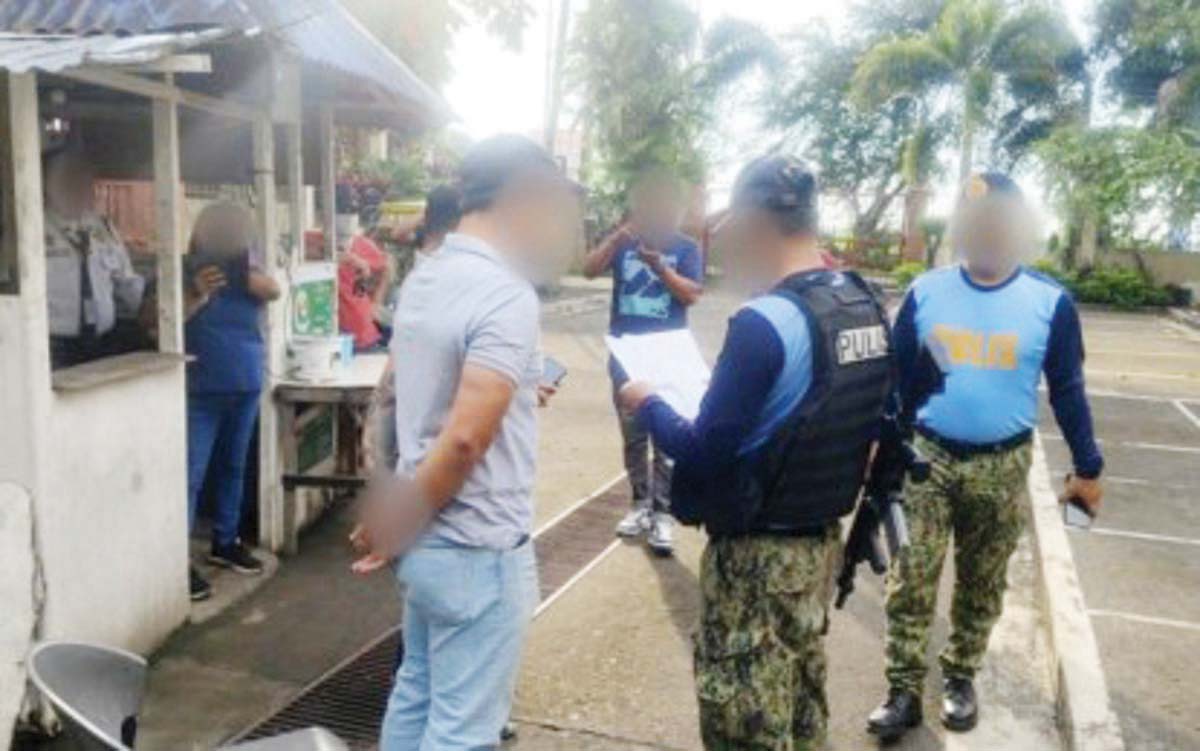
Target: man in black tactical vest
[{"x": 775, "y": 458}]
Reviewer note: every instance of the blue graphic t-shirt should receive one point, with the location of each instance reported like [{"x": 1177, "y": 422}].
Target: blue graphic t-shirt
[{"x": 641, "y": 302}]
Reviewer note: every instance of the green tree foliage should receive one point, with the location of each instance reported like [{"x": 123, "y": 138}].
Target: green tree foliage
[
  {"x": 1132, "y": 179},
  {"x": 859, "y": 154},
  {"x": 1157, "y": 46},
  {"x": 421, "y": 32},
  {"x": 633, "y": 64},
  {"x": 1002, "y": 63}
]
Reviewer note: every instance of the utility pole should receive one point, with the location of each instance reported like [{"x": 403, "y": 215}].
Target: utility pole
[{"x": 557, "y": 27}]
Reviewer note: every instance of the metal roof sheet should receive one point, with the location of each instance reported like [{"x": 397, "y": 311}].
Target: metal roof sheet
[
  {"x": 51, "y": 53},
  {"x": 319, "y": 31}
]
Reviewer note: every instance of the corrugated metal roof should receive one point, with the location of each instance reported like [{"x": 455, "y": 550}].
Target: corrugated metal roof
[
  {"x": 123, "y": 16},
  {"x": 51, "y": 53},
  {"x": 319, "y": 31}
]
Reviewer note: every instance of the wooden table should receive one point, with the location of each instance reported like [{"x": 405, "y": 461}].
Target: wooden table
[{"x": 351, "y": 389}]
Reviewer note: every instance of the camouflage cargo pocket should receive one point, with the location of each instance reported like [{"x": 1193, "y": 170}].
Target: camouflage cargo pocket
[{"x": 744, "y": 692}]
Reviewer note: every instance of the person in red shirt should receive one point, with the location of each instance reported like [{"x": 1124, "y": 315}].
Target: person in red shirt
[{"x": 363, "y": 273}]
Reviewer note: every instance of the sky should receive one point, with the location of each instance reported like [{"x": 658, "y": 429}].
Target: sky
[{"x": 499, "y": 90}]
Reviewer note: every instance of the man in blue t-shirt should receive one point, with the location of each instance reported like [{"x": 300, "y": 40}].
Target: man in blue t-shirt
[
  {"x": 1000, "y": 328},
  {"x": 657, "y": 273}
]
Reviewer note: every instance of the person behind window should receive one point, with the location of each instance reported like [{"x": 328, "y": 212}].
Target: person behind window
[
  {"x": 227, "y": 288},
  {"x": 93, "y": 294},
  {"x": 363, "y": 281}
]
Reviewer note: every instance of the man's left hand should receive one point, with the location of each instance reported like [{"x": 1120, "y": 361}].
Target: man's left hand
[
  {"x": 544, "y": 392},
  {"x": 1090, "y": 492},
  {"x": 633, "y": 395},
  {"x": 392, "y": 517}
]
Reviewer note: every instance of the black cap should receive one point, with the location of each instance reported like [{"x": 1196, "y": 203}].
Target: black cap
[
  {"x": 495, "y": 162},
  {"x": 443, "y": 209},
  {"x": 776, "y": 183},
  {"x": 780, "y": 184}
]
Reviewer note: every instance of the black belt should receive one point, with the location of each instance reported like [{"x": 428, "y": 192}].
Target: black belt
[
  {"x": 818, "y": 530},
  {"x": 966, "y": 450}
]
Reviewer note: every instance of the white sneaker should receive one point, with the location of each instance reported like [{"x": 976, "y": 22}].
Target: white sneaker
[
  {"x": 662, "y": 534},
  {"x": 635, "y": 524}
]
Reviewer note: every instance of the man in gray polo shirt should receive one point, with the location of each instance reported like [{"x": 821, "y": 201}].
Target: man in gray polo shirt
[{"x": 467, "y": 366}]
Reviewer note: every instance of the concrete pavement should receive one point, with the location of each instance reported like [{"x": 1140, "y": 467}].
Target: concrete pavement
[
  {"x": 1140, "y": 564},
  {"x": 609, "y": 662}
]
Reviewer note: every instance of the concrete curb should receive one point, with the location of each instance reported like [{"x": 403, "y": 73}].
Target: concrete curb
[
  {"x": 1085, "y": 714},
  {"x": 1186, "y": 317}
]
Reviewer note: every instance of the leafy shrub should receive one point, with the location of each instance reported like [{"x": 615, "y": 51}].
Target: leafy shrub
[
  {"x": 905, "y": 273},
  {"x": 1109, "y": 285}
]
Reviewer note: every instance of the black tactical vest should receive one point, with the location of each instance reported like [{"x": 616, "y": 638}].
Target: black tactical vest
[{"x": 810, "y": 471}]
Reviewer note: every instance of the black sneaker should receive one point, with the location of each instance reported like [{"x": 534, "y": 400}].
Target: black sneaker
[
  {"x": 198, "y": 587},
  {"x": 508, "y": 732},
  {"x": 237, "y": 557}
]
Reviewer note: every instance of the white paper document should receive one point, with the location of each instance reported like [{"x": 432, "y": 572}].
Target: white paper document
[{"x": 668, "y": 360}]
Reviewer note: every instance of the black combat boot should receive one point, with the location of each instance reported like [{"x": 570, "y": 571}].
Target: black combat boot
[
  {"x": 897, "y": 715},
  {"x": 960, "y": 710}
]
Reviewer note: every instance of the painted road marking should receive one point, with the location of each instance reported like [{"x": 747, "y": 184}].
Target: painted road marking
[
  {"x": 1143, "y": 353},
  {"x": 577, "y": 577},
  {"x": 578, "y": 505},
  {"x": 1145, "y": 483},
  {"x": 1109, "y": 394},
  {"x": 1191, "y": 376},
  {"x": 1191, "y": 416},
  {"x": 1146, "y": 619},
  {"x": 1135, "y": 445},
  {"x": 1147, "y": 536}
]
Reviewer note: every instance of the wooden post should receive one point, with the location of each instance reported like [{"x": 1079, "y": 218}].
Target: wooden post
[
  {"x": 168, "y": 183},
  {"x": 270, "y": 497},
  {"x": 329, "y": 181},
  {"x": 295, "y": 188},
  {"x": 24, "y": 328}
]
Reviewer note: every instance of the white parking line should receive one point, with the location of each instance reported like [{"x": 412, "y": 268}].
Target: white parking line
[
  {"x": 1191, "y": 416},
  {"x": 577, "y": 505},
  {"x": 1145, "y": 483},
  {"x": 1135, "y": 445},
  {"x": 1147, "y": 536},
  {"x": 576, "y": 578},
  {"x": 1146, "y": 619},
  {"x": 1093, "y": 372}
]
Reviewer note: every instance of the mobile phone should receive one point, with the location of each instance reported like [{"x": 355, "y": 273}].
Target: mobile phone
[
  {"x": 1076, "y": 514},
  {"x": 553, "y": 372}
]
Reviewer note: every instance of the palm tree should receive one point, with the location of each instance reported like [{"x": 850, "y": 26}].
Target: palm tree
[{"x": 976, "y": 49}]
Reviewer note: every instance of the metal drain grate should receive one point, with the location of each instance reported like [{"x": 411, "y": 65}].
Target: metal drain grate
[{"x": 350, "y": 699}]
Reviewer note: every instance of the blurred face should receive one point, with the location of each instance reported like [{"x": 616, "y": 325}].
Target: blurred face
[
  {"x": 69, "y": 186},
  {"x": 656, "y": 208},
  {"x": 991, "y": 235},
  {"x": 749, "y": 238},
  {"x": 541, "y": 215}
]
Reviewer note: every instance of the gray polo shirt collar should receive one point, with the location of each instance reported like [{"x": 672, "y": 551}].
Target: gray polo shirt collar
[{"x": 471, "y": 244}]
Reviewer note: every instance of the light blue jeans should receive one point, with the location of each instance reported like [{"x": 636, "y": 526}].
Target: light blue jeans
[{"x": 466, "y": 614}]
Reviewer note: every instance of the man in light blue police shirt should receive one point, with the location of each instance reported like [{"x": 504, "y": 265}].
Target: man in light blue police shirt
[{"x": 1000, "y": 327}]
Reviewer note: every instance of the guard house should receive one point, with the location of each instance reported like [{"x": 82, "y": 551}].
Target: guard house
[{"x": 93, "y": 497}]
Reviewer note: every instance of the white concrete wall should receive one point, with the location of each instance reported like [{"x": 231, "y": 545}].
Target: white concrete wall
[
  {"x": 112, "y": 519},
  {"x": 17, "y": 600}
]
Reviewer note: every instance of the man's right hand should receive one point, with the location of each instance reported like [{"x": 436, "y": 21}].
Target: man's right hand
[{"x": 208, "y": 281}]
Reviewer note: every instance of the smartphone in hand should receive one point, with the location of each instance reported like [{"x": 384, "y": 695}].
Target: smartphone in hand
[{"x": 553, "y": 372}]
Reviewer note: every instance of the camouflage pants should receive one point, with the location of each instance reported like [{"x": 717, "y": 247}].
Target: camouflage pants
[
  {"x": 760, "y": 654},
  {"x": 978, "y": 502}
]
